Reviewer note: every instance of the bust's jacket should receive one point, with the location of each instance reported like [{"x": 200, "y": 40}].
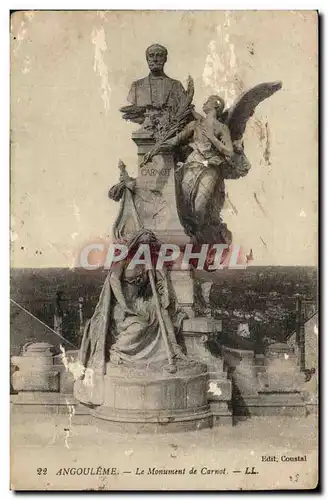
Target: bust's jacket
[{"x": 141, "y": 91}]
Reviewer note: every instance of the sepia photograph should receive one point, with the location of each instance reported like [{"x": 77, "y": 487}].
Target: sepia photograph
[{"x": 164, "y": 323}]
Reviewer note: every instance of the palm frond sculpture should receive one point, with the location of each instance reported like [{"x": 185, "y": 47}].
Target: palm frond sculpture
[{"x": 175, "y": 123}]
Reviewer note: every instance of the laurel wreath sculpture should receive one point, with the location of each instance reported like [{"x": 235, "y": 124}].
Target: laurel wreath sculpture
[{"x": 173, "y": 124}]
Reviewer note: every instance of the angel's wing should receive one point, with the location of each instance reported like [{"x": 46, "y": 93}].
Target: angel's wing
[{"x": 237, "y": 116}]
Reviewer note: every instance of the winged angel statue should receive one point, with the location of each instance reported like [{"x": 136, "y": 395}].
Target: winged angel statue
[{"x": 208, "y": 150}]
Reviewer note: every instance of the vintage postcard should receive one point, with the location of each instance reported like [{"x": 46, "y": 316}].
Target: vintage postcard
[{"x": 164, "y": 223}]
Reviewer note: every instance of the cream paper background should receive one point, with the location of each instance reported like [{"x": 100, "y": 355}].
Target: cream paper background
[{"x": 70, "y": 73}]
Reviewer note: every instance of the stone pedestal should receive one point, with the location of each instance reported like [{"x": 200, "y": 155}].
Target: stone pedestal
[
  {"x": 241, "y": 369},
  {"x": 156, "y": 203},
  {"x": 242, "y": 373},
  {"x": 140, "y": 400},
  {"x": 198, "y": 334},
  {"x": 280, "y": 386},
  {"x": 183, "y": 285},
  {"x": 34, "y": 369},
  {"x": 269, "y": 385},
  {"x": 282, "y": 373},
  {"x": 155, "y": 196},
  {"x": 202, "y": 297},
  {"x": 43, "y": 384},
  {"x": 43, "y": 402}
]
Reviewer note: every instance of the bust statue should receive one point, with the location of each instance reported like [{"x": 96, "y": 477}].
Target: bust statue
[{"x": 157, "y": 92}]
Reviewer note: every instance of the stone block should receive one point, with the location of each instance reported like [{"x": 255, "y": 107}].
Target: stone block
[
  {"x": 280, "y": 381},
  {"x": 282, "y": 373},
  {"x": 219, "y": 388},
  {"x": 273, "y": 404},
  {"x": 198, "y": 333},
  {"x": 66, "y": 381},
  {"x": 220, "y": 413},
  {"x": 196, "y": 391},
  {"x": 183, "y": 285},
  {"x": 129, "y": 396},
  {"x": 36, "y": 380},
  {"x": 156, "y": 400},
  {"x": 202, "y": 324},
  {"x": 31, "y": 363},
  {"x": 241, "y": 370},
  {"x": 43, "y": 402},
  {"x": 174, "y": 394},
  {"x": 155, "y": 195}
]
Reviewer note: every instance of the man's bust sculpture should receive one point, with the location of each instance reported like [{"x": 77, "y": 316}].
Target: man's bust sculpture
[{"x": 156, "y": 92}]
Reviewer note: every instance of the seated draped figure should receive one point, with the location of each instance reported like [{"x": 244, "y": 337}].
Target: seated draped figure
[{"x": 126, "y": 328}]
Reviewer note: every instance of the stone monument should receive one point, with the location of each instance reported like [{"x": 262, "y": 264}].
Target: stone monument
[{"x": 147, "y": 360}]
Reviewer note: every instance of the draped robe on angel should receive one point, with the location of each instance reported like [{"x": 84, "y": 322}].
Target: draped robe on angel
[
  {"x": 200, "y": 184},
  {"x": 202, "y": 170}
]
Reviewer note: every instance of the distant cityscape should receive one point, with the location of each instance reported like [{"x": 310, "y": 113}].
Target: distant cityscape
[{"x": 264, "y": 298}]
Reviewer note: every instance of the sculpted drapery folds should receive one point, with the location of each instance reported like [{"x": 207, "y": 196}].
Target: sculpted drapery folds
[
  {"x": 125, "y": 328},
  {"x": 211, "y": 158},
  {"x": 136, "y": 320},
  {"x": 210, "y": 149}
]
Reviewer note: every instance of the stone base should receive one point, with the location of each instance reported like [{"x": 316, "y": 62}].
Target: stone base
[
  {"x": 199, "y": 333},
  {"x": 144, "y": 401},
  {"x": 272, "y": 404},
  {"x": 160, "y": 422},
  {"x": 221, "y": 414},
  {"x": 41, "y": 402},
  {"x": 50, "y": 403},
  {"x": 46, "y": 379}
]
